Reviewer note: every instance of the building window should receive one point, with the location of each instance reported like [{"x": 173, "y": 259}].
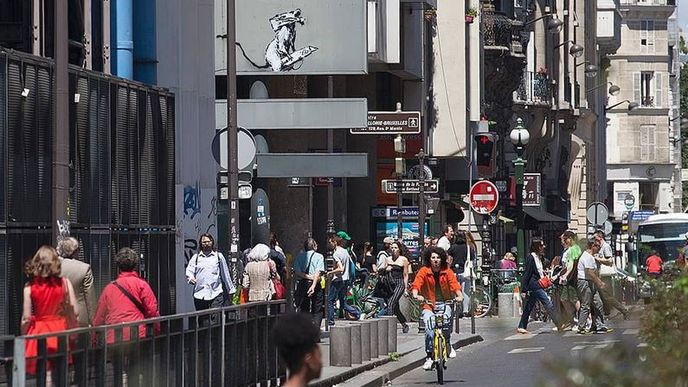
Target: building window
[
  {"x": 648, "y": 143},
  {"x": 647, "y": 36},
  {"x": 647, "y": 88}
]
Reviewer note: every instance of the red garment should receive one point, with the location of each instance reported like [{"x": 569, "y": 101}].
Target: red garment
[
  {"x": 425, "y": 284},
  {"x": 654, "y": 264},
  {"x": 47, "y": 297},
  {"x": 114, "y": 307}
]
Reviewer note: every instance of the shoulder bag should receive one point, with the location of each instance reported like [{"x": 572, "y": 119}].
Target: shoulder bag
[
  {"x": 279, "y": 291},
  {"x": 131, "y": 298}
]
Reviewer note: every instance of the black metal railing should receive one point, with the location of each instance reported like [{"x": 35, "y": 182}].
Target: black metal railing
[
  {"x": 228, "y": 346},
  {"x": 497, "y": 29},
  {"x": 534, "y": 88}
]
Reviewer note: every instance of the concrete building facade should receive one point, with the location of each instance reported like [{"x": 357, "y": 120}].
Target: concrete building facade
[{"x": 643, "y": 155}]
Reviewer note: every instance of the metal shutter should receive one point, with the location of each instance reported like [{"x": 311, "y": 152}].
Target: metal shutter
[{"x": 3, "y": 137}]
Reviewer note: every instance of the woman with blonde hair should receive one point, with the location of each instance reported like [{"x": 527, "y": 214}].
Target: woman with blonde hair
[
  {"x": 49, "y": 303},
  {"x": 258, "y": 274}
]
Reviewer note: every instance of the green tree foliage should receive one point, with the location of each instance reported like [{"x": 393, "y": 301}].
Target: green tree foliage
[
  {"x": 682, "y": 48},
  {"x": 683, "y": 89},
  {"x": 664, "y": 362}
]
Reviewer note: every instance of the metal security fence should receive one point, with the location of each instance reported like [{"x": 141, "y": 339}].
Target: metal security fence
[
  {"x": 121, "y": 188},
  {"x": 228, "y": 346}
]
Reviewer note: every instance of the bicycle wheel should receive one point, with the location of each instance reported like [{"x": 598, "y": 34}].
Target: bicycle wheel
[
  {"x": 439, "y": 365},
  {"x": 480, "y": 302}
]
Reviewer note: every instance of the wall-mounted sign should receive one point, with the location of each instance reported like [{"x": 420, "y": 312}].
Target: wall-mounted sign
[
  {"x": 531, "y": 190},
  {"x": 390, "y": 123},
  {"x": 304, "y": 37}
]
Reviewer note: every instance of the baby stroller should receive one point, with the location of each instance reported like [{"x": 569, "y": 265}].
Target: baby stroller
[{"x": 363, "y": 297}]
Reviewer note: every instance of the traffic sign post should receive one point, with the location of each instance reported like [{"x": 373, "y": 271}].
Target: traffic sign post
[
  {"x": 597, "y": 214},
  {"x": 484, "y": 197},
  {"x": 409, "y": 186}
]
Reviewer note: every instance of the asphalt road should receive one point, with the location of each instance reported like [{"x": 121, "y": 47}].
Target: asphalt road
[{"x": 507, "y": 358}]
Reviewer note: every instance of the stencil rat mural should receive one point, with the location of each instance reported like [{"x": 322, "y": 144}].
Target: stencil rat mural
[{"x": 281, "y": 53}]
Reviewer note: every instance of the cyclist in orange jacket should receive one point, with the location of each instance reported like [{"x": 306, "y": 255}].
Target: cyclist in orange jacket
[{"x": 435, "y": 283}]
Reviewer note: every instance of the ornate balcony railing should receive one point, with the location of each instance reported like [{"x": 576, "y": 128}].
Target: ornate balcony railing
[
  {"x": 496, "y": 28},
  {"x": 534, "y": 88}
]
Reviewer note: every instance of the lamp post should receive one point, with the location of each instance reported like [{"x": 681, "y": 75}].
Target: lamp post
[{"x": 519, "y": 137}]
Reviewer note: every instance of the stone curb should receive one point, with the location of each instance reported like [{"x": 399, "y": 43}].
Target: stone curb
[{"x": 408, "y": 361}]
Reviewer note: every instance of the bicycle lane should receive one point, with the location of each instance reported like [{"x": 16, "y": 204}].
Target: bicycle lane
[{"x": 488, "y": 330}]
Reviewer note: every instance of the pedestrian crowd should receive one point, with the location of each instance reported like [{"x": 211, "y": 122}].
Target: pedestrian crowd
[{"x": 574, "y": 288}]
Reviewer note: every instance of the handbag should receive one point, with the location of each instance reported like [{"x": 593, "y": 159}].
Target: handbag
[
  {"x": 68, "y": 308},
  {"x": 545, "y": 282},
  {"x": 468, "y": 266},
  {"x": 280, "y": 290}
]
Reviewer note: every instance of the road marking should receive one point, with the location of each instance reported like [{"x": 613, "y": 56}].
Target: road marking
[
  {"x": 526, "y": 350},
  {"x": 631, "y": 331},
  {"x": 521, "y": 336},
  {"x": 642, "y": 345}
]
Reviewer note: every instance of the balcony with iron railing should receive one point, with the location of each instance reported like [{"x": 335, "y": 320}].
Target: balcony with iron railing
[
  {"x": 534, "y": 89},
  {"x": 496, "y": 28}
]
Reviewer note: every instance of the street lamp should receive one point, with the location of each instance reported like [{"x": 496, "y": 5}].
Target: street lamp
[
  {"x": 576, "y": 50},
  {"x": 631, "y": 105},
  {"x": 519, "y": 137},
  {"x": 613, "y": 89},
  {"x": 553, "y": 25}
]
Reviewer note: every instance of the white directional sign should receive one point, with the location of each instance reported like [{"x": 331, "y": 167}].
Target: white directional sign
[{"x": 408, "y": 186}]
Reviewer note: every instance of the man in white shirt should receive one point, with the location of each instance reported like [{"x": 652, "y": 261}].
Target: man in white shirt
[
  {"x": 340, "y": 280},
  {"x": 588, "y": 283},
  {"x": 447, "y": 239},
  {"x": 605, "y": 265}
]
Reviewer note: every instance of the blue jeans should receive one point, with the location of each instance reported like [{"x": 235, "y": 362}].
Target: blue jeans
[
  {"x": 538, "y": 295},
  {"x": 465, "y": 283},
  {"x": 338, "y": 292},
  {"x": 429, "y": 321}
]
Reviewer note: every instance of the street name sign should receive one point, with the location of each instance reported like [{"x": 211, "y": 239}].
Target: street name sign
[
  {"x": 390, "y": 123},
  {"x": 409, "y": 186},
  {"x": 483, "y": 197}
]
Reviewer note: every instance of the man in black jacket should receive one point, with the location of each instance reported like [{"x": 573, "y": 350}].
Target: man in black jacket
[{"x": 532, "y": 274}]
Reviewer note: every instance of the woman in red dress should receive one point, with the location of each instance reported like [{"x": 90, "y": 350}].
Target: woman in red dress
[{"x": 48, "y": 303}]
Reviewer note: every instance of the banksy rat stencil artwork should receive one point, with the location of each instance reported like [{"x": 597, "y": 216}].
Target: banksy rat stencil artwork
[{"x": 281, "y": 54}]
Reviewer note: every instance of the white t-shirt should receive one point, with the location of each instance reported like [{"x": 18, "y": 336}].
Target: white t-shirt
[
  {"x": 341, "y": 255},
  {"x": 444, "y": 243},
  {"x": 606, "y": 252},
  {"x": 586, "y": 261}
]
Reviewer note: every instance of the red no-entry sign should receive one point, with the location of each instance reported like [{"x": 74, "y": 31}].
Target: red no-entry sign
[{"x": 484, "y": 197}]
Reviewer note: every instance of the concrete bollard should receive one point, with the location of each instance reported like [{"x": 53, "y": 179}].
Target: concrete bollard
[
  {"x": 340, "y": 345},
  {"x": 506, "y": 305},
  {"x": 365, "y": 339},
  {"x": 382, "y": 341},
  {"x": 374, "y": 347},
  {"x": 356, "y": 342},
  {"x": 391, "y": 332}
]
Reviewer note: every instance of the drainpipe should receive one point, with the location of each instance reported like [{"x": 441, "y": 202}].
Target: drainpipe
[
  {"x": 122, "y": 37},
  {"x": 145, "y": 61}
]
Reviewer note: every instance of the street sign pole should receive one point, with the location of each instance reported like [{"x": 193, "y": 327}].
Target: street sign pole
[
  {"x": 421, "y": 202},
  {"x": 232, "y": 141}
]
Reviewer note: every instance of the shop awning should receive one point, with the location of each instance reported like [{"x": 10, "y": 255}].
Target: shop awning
[{"x": 543, "y": 216}]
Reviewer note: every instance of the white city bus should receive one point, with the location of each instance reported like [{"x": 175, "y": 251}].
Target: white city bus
[{"x": 663, "y": 233}]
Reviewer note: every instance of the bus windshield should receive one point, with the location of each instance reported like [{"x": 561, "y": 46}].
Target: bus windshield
[{"x": 666, "y": 239}]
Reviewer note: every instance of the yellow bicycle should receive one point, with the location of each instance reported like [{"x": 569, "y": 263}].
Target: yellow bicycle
[{"x": 440, "y": 348}]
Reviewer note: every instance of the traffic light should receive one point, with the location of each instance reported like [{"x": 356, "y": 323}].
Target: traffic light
[{"x": 485, "y": 154}]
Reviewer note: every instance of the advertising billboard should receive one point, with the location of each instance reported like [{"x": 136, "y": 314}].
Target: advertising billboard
[{"x": 301, "y": 37}]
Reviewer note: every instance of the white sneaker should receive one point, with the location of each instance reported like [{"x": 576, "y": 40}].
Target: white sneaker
[
  {"x": 428, "y": 364},
  {"x": 452, "y": 354}
]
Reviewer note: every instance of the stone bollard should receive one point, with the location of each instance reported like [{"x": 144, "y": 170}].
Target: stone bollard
[
  {"x": 340, "y": 345},
  {"x": 506, "y": 305},
  {"x": 391, "y": 332},
  {"x": 365, "y": 339},
  {"x": 374, "y": 346},
  {"x": 382, "y": 333},
  {"x": 356, "y": 342}
]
